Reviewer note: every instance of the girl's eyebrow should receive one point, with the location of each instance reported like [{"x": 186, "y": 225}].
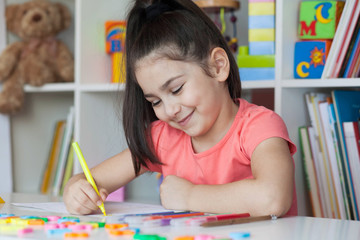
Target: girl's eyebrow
[{"x": 165, "y": 85}]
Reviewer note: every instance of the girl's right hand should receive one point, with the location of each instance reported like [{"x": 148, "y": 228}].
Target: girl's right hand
[{"x": 80, "y": 197}]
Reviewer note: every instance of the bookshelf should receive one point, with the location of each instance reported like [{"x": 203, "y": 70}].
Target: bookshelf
[{"x": 97, "y": 113}]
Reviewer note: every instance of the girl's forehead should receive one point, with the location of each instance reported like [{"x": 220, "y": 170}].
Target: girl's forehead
[
  {"x": 165, "y": 52},
  {"x": 151, "y": 60}
]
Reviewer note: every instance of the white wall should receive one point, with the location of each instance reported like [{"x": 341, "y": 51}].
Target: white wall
[{"x": 5, "y": 140}]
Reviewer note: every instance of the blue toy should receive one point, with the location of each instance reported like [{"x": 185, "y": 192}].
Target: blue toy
[{"x": 310, "y": 57}]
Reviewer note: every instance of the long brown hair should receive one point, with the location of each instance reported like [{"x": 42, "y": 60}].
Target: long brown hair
[{"x": 179, "y": 30}]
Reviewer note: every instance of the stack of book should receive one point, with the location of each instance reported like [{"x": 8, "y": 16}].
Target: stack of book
[
  {"x": 344, "y": 56},
  {"x": 59, "y": 166},
  {"x": 330, "y": 149}
]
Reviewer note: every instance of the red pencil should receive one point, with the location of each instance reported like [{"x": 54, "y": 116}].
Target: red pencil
[
  {"x": 237, "y": 221},
  {"x": 200, "y": 220}
]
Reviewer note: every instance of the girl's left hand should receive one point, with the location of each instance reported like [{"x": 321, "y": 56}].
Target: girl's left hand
[{"x": 175, "y": 193}]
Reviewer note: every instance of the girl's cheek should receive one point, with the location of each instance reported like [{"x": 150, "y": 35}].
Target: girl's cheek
[{"x": 159, "y": 114}]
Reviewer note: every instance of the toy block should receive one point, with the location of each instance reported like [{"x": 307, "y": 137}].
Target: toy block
[
  {"x": 261, "y": 8},
  {"x": 261, "y": 34},
  {"x": 319, "y": 19},
  {"x": 115, "y": 36},
  {"x": 244, "y": 60},
  {"x": 115, "y": 45},
  {"x": 251, "y": 74},
  {"x": 262, "y": 48},
  {"x": 310, "y": 58},
  {"x": 262, "y": 21},
  {"x": 118, "y": 68}
]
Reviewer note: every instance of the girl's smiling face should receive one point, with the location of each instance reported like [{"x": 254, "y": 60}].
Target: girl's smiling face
[{"x": 181, "y": 93}]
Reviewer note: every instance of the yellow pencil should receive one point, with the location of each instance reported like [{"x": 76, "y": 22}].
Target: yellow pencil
[{"x": 87, "y": 172}]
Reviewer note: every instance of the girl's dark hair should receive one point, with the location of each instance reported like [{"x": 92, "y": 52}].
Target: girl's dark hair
[{"x": 178, "y": 30}]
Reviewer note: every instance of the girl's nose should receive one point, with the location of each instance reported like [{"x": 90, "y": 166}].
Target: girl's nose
[{"x": 172, "y": 108}]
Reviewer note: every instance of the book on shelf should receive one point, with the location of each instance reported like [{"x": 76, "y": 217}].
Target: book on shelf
[
  {"x": 331, "y": 207},
  {"x": 339, "y": 159},
  {"x": 50, "y": 168},
  {"x": 341, "y": 39},
  {"x": 58, "y": 168},
  {"x": 352, "y": 138},
  {"x": 319, "y": 170},
  {"x": 68, "y": 170},
  {"x": 352, "y": 54},
  {"x": 356, "y": 71},
  {"x": 334, "y": 163},
  {"x": 64, "y": 152},
  {"x": 347, "y": 108},
  {"x": 309, "y": 169},
  {"x": 331, "y": 156}
]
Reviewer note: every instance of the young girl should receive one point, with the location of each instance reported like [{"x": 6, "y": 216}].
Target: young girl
[{"x": 183, "y": 117}]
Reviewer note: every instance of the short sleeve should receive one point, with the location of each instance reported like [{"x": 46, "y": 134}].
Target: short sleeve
[{"x": 261, "y": 124}]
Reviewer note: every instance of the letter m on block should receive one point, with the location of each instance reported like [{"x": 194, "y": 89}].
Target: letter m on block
[{"x": 307, "y": 29}]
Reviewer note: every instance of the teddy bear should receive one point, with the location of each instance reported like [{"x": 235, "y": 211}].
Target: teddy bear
[{"x": 37, "y": 57}]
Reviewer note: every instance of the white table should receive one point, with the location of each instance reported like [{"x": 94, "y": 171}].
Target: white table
[{"x": 280, "y": 229}]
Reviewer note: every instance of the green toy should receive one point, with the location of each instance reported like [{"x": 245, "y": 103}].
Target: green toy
[
  {"x": 245, "y": 60},
  {"x": 319, "y": 19}
]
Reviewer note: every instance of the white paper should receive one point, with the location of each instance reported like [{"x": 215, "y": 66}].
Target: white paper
[{"x": 112, "y": 208}]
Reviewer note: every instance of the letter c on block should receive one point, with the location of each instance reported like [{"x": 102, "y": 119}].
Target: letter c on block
[{"x": 299, "y": 69}]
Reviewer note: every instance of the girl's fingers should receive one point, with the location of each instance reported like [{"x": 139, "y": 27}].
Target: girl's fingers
[
  {"x": 80, "y": 208},
  {"x": 104, "y": 194},
  {"x": 75, "y": 205},
  {"x": 90, "y": 196},
  {"x": 85, "y": 199}
]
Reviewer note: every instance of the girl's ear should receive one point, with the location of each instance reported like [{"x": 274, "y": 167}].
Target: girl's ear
[{"x": 220, "y": 64}]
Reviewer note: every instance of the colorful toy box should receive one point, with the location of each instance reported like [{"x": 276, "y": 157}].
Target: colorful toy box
[
  {"x": 319, "y": 19},
  {"x": 310, "y": 58}
]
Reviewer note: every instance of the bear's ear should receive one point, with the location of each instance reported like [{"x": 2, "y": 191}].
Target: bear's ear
[
  {"x": 10, "y": 15},
  {"x": 65, "y": 15}
]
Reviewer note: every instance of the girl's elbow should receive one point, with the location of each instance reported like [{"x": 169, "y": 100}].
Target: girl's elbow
[
  {"x": 278, "y": 208},
  {"x": 278, "y": 205}
]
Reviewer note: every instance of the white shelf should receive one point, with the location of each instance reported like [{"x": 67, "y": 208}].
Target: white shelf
[
  {"x": 246, "y": 85},
  {"x": 321, "y": 83},
  {"x": 258, "y": 84},
  {"x": 111, "y": 87},
  {"x": 51, "y": 87}
]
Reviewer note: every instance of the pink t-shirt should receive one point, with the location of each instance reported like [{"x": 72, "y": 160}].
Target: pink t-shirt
[{"x": 230, "y": 159}]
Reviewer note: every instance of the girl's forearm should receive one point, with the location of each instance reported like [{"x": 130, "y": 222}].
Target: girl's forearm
[
  {"x": 114, "y": 172},
  {"x": 248, "y": 196}
]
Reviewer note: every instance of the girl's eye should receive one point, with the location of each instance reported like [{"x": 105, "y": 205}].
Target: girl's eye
[
  {"x": 177, "y": 90},
  {"x": 155, "y": 103}
]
